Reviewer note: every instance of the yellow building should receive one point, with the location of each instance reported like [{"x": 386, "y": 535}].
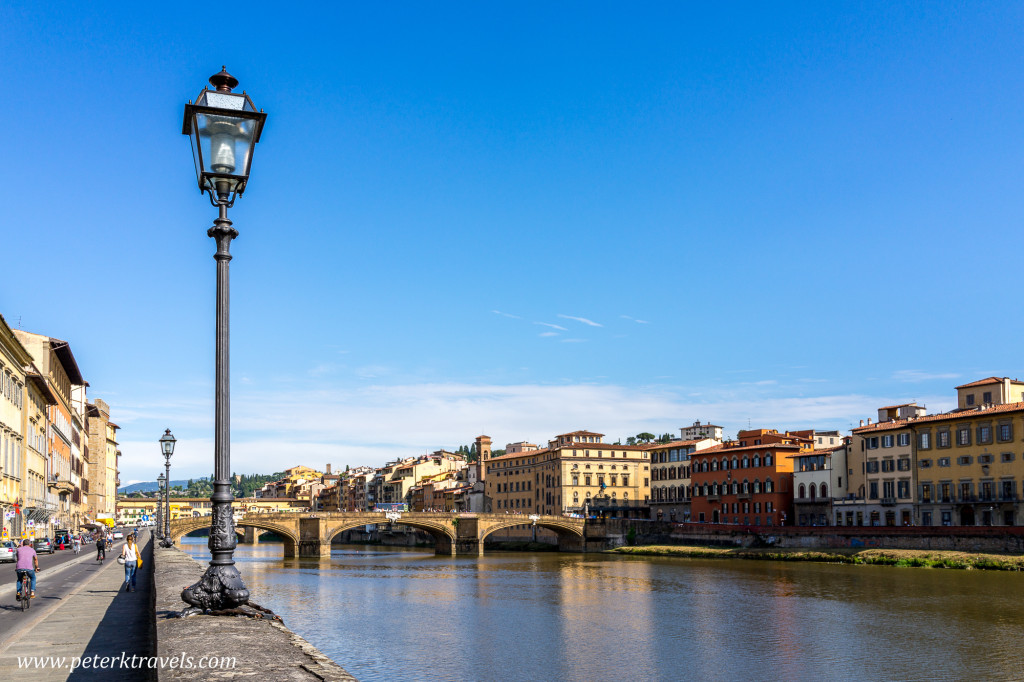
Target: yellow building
[
  {"x": 131, "y": 510},
  {"x": 576, "y": 473},
  {"x": 38, "y": 503},
  {"x": 14, "y": 358}
]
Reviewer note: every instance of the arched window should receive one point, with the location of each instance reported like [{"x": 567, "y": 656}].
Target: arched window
[
  {"x": 768, "y": 487},
  {"x": 735, "y": 488},
  {"x": 746, "y": 486},
  {"x": 735, "y": 463},
  {"x": 746, "y": 462},
  {"x": 757, "y": 486},
  {"x": 824, "y": 490},
  {"x": 767, "y": 459},
  {"x": 757, "y": 460},
  {"x": 803, "y": 491},
  {"x": 813, "y": 490},
  {"x": 714, "y": 465}
]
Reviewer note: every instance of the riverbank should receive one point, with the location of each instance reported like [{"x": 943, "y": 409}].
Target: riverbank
[{"x": 878, "y": 557}]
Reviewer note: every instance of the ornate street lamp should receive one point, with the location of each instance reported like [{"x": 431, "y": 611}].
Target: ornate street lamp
[
  {"x": 167, "y": 442},
  {"x": 160, "y": 505},
  {"x": 224, "y": 127}
]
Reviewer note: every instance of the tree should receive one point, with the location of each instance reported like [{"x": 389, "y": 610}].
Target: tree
[
  {"x": 645, "y": 437},
  {"x": 631, "y": 440},
  {"x": 665, "y": 438}
]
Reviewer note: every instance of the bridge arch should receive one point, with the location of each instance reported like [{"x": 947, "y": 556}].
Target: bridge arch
[
  {"x": 182, "y": 527},
  {"x": 569, "y": 531},
  {"x": 440, "y": 528}
]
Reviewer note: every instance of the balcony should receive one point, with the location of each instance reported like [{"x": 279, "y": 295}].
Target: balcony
[
  {"x": 743, "y": 496},
  {"x": 714, "y": 498}
]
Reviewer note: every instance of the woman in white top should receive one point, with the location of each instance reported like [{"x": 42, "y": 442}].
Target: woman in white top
[{"x": 130, "y": 554}]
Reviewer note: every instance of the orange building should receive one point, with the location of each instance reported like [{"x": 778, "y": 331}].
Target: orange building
[{"x": 745, "y": 482}]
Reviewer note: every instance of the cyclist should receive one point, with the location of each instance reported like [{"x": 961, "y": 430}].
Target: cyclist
[
  {"x": 101, "y": 547},
  {"x": 26, "y": 562}
]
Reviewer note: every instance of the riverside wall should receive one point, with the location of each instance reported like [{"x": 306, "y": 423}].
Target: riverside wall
[
  {"x": 619, "y": 532},
  {"x": 260, "y": 649}
]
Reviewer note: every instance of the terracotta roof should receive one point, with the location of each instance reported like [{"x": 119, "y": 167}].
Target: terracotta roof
[
  {"x": 823, "y": 451},
  {"x": 576, "y": 446},
  {"x": 955, "y": 415},
  {"x": 893, "y": 407},
  {"x": 982, "y": 382},
  {"x": 580, "y": 433},
  {"x": 725, "y": 448}
]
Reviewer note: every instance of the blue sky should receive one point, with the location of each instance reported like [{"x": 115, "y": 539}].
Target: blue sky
[{"x": 518, "y": 219}]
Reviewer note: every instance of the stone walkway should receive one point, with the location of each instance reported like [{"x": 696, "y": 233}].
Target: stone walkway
[{"x": 96, "y": 619}]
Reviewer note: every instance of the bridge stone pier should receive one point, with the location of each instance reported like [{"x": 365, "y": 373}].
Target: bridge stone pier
[{"x": 455, "y": 534}]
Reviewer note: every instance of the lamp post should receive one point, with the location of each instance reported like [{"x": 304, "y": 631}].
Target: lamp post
[
  {"x": 224, "y": 127},
  {"x": 167, "y": 442},
  {"x": 160, "y": 506}
]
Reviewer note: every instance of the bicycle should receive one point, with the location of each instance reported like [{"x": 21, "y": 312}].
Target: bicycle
[{"x": 25, "y": 596}]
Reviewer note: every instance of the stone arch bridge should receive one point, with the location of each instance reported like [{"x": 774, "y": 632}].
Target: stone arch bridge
[{"x": 310, "y": 534}]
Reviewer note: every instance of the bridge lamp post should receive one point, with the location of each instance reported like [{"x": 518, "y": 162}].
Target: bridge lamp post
[
  {"x": 224, "y": 127},
  {"x": 160, "y": 506},
  {"x": 167, "y": 442}
]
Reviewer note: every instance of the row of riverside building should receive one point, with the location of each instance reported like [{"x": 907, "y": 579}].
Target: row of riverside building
[
  {"x": 964, "y": 467},
  {"x": 58, "y": 449}
]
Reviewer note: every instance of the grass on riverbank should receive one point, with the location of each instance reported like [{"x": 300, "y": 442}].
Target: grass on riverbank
[{"x": 878, "y": 557}]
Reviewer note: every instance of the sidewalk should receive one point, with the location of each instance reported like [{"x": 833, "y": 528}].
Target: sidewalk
[{"x": 99, "y": 619}]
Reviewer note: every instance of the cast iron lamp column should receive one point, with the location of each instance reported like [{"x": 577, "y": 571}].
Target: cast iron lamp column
[
  {"x": 167, "y": 442},
  {"x": 224, "y": 127},
  {"x": 160, "y": 506}
]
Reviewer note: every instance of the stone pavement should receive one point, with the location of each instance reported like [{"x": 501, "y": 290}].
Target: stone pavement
[{"x": 97, "y": 618}]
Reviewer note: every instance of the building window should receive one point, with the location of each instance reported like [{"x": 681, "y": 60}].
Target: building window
[
  {"x": 872, "y": 467},
  {"x": 986, "y": 397},
  {"x": 963, "y": 436},
  {"x": 943, "y": 461},
  {"x": 970, "y": 399},
  {"x": 903, "y": 489},
  {"x": 984, "y": 434},
  {"x": 942, "y": 439},
  {"x": 872, "y": 442},
  {"x": 964, "y": 461},
  {"x": 888, "y": 465},
  {"x": 887, "y": 441},
  {"x": 924, "y": 463},
  {"x": 903, "y": 464},
  {"x": 924, "y": 440},
  {"x": 1004, "y": 432},
  {"x": 873, "y": 490},
  {"x": 903, "y": 439},
  {"x": 985, "y": 459},
  {"x": 1006, "y": 457},
  {"x": 926, "y": 493}
]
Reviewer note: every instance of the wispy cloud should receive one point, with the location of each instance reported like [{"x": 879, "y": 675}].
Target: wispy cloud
[
  {"x": 633, "y": 319},
  {"x": 514, "y": 317},
  {"x": 553, "y": 326},
  {"x": 574, "y": 340},
  {"x": 372, "y": 423},
  {"x": 582, "y": 320},
  {"x": 917, "y": 375},
  {"x": 548, "y": 334}
]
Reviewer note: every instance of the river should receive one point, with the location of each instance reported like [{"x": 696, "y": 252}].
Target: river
[{"x": 395, "y": 613}]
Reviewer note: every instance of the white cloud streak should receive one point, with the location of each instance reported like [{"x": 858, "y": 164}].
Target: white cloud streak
[
  {"x": 553, "y": 326},
  {"x": 582, "y": 320}
]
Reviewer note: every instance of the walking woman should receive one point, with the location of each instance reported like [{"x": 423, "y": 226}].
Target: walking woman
[{"x": 130, "y": 554}]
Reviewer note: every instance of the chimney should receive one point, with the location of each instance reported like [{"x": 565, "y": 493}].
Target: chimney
[
  {"x": 869, "y": 421},
  {"x": 862, "y": 422}
]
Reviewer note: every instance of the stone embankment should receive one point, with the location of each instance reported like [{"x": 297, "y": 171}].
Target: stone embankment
[{"x": 224, "y": 646}]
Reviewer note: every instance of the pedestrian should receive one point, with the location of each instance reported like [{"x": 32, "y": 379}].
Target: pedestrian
[
  {"x": 77, "y": 544},
  {"x": 101, "y": 549},
  {"x": 130, "y": 553}
]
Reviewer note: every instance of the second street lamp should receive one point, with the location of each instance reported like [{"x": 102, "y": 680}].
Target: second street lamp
[
  {"x": 224, "y": 127},
  {"x": 160, "y": 505},
  {"x": 167, "y": 442}
]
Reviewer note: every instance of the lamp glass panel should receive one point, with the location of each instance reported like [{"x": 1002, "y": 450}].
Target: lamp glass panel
[{"x": 225, "y": 145}]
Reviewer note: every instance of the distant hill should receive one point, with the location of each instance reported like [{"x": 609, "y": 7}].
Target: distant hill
[{"x": 147, "y": 487}]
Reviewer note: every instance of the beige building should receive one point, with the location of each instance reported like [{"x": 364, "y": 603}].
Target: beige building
[
  {"x": 576, "y": 473},
  {"x": 38, "y": 501},
  {"x": 880, "y": 464},
  {"x": 670, "y": 476},
  {"x": 101, "y": 461}
]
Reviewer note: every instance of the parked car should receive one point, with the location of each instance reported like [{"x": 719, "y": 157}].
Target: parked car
[
  {"x": 118, "y": 535},
  {"x": 7, "y": 550},
  {"x": 43, "y": 545}
]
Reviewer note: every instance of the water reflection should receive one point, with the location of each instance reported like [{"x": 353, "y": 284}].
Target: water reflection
[{"x": 406, "y": 613}]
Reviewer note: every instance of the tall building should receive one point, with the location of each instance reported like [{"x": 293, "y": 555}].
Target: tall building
[
  {"x": 576, "y": 473},
  {"x": 701, "y": 431},
  {"x": 60, "y": 370},
  {"x": 670, "y": 477},
  {"x": 102, "y": 461}
]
